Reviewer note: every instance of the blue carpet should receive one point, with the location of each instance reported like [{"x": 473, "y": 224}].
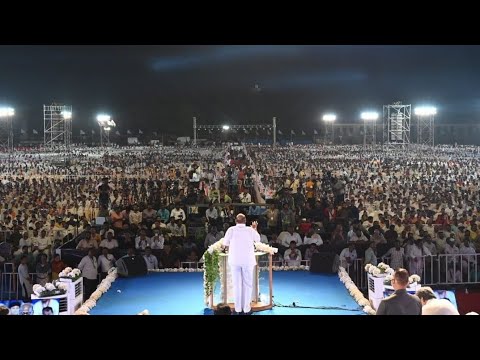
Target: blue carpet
[{"x": 182, "y": 294}]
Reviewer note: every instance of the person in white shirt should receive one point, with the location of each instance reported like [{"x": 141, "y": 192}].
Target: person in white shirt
[
  {"x": 105, "y": 262},
  {"x": 312, "y": 238},
  {"x": 240, "y": 241},
  {"x": 348, "y": 255},
  {"x": 245, "y": 197},
  {"x": 433, "y": 306},
  {"x": 358, "y": 236},
  {"x": 371, "y": 254},
  {"x": 397, "y": 256},
  {"x": 24, "y": 278},
  {"x": 89, "y": 268},
  {"x": 157, "y": 241},
  {"x": 178, "y": 213},
  {"x": 151, "y": 260},
  {"x": 286, "y": 237},
  {"x": 110, "y": 243},
  {"x": 292, "y": 255},
  {"x": 142, "y": 241},
  {"x": 25, "y": 241}
]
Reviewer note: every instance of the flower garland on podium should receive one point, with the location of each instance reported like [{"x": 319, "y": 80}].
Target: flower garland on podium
[{"x": 212, "y": 273}]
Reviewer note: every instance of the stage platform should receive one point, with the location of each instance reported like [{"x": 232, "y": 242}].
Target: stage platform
[{"x": 182, "y": 294}]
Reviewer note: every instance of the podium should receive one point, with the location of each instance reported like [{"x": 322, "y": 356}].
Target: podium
[{"x": 227, "y": 295}]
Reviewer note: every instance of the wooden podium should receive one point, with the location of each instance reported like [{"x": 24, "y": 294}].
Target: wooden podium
[{"x": 227, "y": 291}]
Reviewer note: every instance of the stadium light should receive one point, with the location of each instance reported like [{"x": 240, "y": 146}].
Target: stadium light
[
  {"x": 425, "y": 111},
  {"x": 329, "y": 117},
  {"x": 67, "y": 115},
  {"x": 103, "y": 119},
  {"x": 369, "y": 115},
  {"x": 226, "y": 127},
  {"x": 6, "y": 112}
]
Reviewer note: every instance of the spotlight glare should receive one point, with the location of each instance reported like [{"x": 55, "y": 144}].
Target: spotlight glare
[
  {"x": 6, "y": 112},
  {"x": 369, "y": 115},
  {"x": 67, "y": 115},
  {"x": 226, "y": 127},
  {"x": 329, "y": 117},
  {"x": 425, "y": 111}
]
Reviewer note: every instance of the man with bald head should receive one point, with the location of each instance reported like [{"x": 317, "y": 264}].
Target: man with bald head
[{"x": 241, "y": 258}]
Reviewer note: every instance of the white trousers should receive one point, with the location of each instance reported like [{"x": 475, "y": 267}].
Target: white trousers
[{"x": 242, "y": 279}]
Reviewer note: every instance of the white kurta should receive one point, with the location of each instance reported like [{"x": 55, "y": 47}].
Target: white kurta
[{"x": 241, "y": 259}]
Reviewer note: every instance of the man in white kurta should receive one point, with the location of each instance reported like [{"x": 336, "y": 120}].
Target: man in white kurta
[{"x": 241, "y": 258}]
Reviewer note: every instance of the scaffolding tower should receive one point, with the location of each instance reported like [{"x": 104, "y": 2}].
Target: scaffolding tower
[
  {"x": 369, "y": 133},
  {"x": 57, "y": 125},
  {"x": 426, "y": 130},
  {"x": 6, "y": 129},
  {"x": 396, "y": 124},
  {"x": 329, "y": 137}
]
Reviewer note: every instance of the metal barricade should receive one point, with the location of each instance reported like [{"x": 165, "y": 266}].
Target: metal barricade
[{"x": 11, "y": 289}]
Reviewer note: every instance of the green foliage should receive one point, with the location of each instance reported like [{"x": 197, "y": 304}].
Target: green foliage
[{"x": 211, "y": 271}]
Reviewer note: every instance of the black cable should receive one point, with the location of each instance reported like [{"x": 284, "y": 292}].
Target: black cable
[{"x": 294, "y": 305}]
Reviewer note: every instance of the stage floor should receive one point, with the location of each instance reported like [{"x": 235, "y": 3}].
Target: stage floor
[{"x": 182, "y": 294}]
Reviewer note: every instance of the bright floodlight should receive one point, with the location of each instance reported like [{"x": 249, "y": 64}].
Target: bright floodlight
[
  {"x": 103, "y": 120},
  {"x": 6, "y": 112},
  {"x": 107, "y": 128},
  {"x": 369, "y": 115},
  {"x": 329, "y": 117},
  {"x": 67, "y": 115},
  {"x": 226, "y": 127},
  {"x": 425, "y": 111}
]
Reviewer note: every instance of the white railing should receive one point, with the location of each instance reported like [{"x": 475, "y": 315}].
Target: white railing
[{"x": 442, "y": 269}]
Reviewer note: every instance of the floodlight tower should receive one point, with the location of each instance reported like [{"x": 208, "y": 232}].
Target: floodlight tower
[
  {"x": 425, "y": 125},
  {"x": 106, "y": 124},
  {"x": 57, "y": 125},
  {"x": 6, "y": 129},
  {"x": 369, "y": 127},
  {"x": 329, "y": 119}
]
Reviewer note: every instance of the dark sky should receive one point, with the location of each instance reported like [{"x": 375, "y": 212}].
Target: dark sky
[{"x": 155, "y": 87}]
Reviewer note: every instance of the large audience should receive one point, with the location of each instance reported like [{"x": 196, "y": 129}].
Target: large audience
[{"x": 168, "y": 204}]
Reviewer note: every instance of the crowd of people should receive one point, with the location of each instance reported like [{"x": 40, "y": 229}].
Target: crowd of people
[{"x": 168, "y": 204}]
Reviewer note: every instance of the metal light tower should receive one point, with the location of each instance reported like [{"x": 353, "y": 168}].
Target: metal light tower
[
  {"x": 329, "y": 119},
  {"x": 106, "y": 124},
  {"x": 6, "y": 129},
  {"x": 369, "y": 128},
  {"x": 194, "y": 131},
  {"x": 426, "y": 125},
  {"x": 396, "y": 124},
  {"x": 274, "y": 132},
  {"x": 57, "y": 125}
]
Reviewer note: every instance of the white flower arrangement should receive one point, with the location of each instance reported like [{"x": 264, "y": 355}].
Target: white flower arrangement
[
  {"x": 354, "y": 291},
  {"x": 379, "y": 270},
  {"x": 69, "y": 273},
  {"x": 50, "y": 289},
  {"x": 102, "y": 288},
  {"x": 216, "y": 247},
  {"x": 414, "y": 279},
  {"x": 265, "y": 248}
]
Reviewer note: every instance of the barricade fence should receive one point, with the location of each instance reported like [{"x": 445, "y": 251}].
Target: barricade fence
[{"x": 442, "y": 269}]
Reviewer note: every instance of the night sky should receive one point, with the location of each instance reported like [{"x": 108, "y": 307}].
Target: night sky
[{"x": 163, "y": 87}]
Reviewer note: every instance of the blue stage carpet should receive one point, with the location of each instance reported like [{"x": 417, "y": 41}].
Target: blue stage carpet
[{"x": 182, "y": 294}]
